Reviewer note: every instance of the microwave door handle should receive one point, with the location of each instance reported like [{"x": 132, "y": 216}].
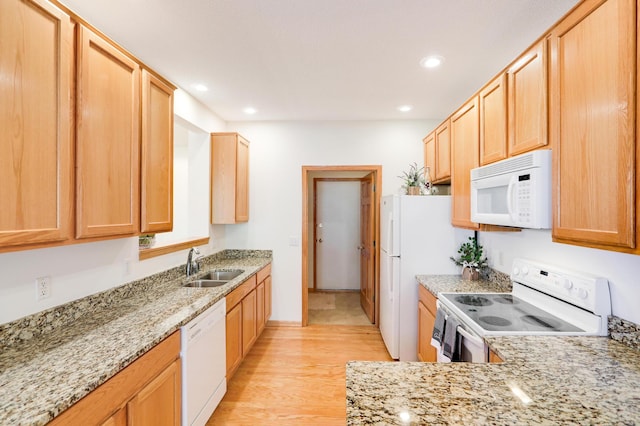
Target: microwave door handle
[{"x": 510, "y": 194}]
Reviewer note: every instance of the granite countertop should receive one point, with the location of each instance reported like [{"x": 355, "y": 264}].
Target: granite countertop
[
  {"x": 544, "y": 380},
  {"x": 497, "y": 283},
  {"x": 41, "y": 377}
]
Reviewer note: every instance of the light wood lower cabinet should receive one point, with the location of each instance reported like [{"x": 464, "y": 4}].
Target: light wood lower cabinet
[
  {"x": 234, "y": 338},
  {"x": 147, "y": 392},
  {"x": 248, "y": 309},
  {"x": 426, "y": 319}
]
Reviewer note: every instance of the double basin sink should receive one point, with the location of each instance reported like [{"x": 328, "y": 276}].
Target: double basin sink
[{"x": 215, "y": 278}]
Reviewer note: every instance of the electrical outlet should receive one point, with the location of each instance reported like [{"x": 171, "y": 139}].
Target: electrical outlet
[{"x": 43, "y": 288}]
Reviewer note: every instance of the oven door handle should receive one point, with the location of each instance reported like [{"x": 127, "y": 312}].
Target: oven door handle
[{"x": 473, "y": 338}]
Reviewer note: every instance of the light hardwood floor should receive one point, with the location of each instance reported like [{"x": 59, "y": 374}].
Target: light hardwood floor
[{"x": 296, "y": 376}]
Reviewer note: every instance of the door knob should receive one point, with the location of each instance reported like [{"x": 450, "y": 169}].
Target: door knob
[
  {"x": 319, "y": 240},
  {"x": 360, "y": 247}
]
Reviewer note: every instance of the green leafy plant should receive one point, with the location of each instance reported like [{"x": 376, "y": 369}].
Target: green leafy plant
[
  {"x": 146, "y": 240},
  {"x": 413, "y": 177},
  {"x": 471, "y": 255}
]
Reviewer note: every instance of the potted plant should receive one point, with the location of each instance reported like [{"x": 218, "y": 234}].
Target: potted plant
[
  {"x": 414, "y": 180},
  {"x": 471, "y": 259},
  {"x": 146, "y": 241}
]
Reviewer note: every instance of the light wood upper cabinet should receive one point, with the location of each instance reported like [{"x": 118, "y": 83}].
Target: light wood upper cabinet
[
  {"x": 108, "y": 139},
  {"x": 593, "y": 121},
  {"x": 229, "y": 178},
  {"x": 493, "y": 121},
  {"x": 465, "y": 144},
  {"x": 430, "y": 155},
  {"x": 156, "y": 206},
  {"x": 36, "y": 169},
  {"x": 443, "y": 152},
  {"x": 527, "y": 91}
]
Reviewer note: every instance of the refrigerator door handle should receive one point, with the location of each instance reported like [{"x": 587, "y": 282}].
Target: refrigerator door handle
[{"x": 389, "y": 245}]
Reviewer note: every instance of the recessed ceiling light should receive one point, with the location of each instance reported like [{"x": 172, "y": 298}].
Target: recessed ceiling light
[
  {"x": 431, "y": 61},
  {"x": 250, "y": 110},
  {"x": 200, "y": 87},
  {"x": 405, "y": 108}
]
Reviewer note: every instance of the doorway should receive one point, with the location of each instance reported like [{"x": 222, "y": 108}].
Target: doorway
[{"x": 340, "y": 232}]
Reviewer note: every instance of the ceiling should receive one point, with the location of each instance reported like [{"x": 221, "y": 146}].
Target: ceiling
[{"x": 325, "y": 59}]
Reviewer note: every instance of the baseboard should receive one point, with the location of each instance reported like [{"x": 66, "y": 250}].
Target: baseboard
[{"x": 284, "y": 324}]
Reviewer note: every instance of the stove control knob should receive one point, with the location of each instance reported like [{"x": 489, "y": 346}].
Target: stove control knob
[
  {"x": 525, "y": 270},
  {"x": 567, "y": 284},
  {"x": 582, "y": 293},
  {"x": 516, "y": 271}
]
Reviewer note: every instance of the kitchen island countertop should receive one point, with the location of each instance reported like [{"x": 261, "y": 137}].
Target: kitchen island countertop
[
  {"x": 41, "y": 377},
  {"x": 543, "y": 380}
]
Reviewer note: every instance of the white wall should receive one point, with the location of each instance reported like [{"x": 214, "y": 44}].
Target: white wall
[
  {"x": 83, "y": 269},
  {"x": 622, "y": 270},
  {"x": 278, "y": 151}
]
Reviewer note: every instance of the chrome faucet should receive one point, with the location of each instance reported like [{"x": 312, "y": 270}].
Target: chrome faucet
[{"x": 193, "y": 265}]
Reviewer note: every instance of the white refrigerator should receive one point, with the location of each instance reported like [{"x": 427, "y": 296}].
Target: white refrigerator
[{"x": 416, "y": 238}]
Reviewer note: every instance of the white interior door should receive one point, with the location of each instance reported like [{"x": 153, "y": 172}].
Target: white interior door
[{"x": 337, "y": 235}]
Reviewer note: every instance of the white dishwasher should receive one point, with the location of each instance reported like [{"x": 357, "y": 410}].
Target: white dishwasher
[{"x": 203, "y": 353}]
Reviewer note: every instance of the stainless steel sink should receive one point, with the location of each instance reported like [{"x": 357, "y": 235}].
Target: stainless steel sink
[
  {"x": 214, "y": 278},
  {"x": 222, "y": 275},
  {"x": 206, "y": 283}
]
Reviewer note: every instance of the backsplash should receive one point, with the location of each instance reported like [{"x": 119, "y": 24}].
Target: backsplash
[
  {"x": 625, "y": 332},
  {"x": 44, "y": 322}
]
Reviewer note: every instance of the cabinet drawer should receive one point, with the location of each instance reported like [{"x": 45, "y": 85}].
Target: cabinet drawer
[
  {"x": 238, "y": 294},
  {"x": 428, "y": 299},
  {"x": 264, "y": 273}
]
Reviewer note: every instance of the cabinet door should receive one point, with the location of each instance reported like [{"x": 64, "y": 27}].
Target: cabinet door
[
  {"x": 464, "y": 136},
  {"x": 443, "y": 152},
  {"x": 260, "y": 319},
  {"x": 118, "y": 419},
  {"x": 234, "y": 339},
  {"x": 229, "y": 178},
  {"x": 493, "y": 121},
  {"x": 108, "y": 141},
  {"x": 430, "y": 155},
  {"x": 527, "y": 91},
  {"x": 267, "y": 299},
  {"x": 158, "y": 403},
  {"x": 249, "y": 321},
  {"x": 426, "y": 320},
  {"x": 156, "y": 206},
  {"x": 242, "y": 180},
  {"x": 36, "y": 169},
  {"x": 593, "y": 121}
]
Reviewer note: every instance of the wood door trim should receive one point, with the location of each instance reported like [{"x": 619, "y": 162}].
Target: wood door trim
[{"x": 306, "y": 170}]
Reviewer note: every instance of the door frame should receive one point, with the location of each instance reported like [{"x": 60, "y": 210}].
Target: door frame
[{"x": 307, "y": 197}]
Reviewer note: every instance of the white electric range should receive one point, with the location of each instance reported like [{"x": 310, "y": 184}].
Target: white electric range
[{"x": 546, "y": 300}]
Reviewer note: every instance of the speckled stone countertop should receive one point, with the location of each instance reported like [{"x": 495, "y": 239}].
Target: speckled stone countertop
[
  {"x": 544, "y": 380},
  {"x": 41, "y": 377},
  {"x": 497, "y": 282}
]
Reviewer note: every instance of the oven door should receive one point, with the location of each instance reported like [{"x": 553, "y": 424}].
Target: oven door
[{"x": 471, "y": 347}]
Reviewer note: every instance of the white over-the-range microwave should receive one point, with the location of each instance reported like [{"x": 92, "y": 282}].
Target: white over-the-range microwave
[{"x": 513, "y": 192}]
